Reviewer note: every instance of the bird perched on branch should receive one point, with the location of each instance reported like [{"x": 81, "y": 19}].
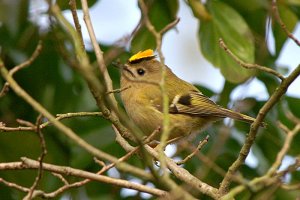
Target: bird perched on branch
[{"x": 189, "y": 109}]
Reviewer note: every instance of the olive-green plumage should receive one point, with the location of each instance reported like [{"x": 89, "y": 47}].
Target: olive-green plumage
[{"x": 190, "y": 110}]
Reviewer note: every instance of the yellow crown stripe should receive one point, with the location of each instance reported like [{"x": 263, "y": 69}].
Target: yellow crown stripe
[{"x": 142, "y": 54}]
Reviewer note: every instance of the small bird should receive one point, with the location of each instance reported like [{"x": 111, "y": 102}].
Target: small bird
[{"x": 189, "y": 109}]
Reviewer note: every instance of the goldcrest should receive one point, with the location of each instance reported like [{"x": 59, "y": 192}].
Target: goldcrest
[{"x": 189, "y": 109}]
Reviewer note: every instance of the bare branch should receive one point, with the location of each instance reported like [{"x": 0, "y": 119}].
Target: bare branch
[
  {"x": 98, "y": 52},
  {"x": 73, "y": 8},
  {"x": 4, "y": 90},
  {"x": 60, "y": 177},
  {"x": 249, "y": 65},
  {"x": 183, "y": 175},
  {"x": 28, "y": 62},
  {"x": 283, "y": 127},
  {"x": 40, "y": 159},
  {"x": 169, "y": 26},
  {"x": 26, "y": 123},
  {"x": 28, "y": 126},
  {"x": 118, "y": 90},
  {"x": 32, "y": 164},
  {"x": 284, "y": 149},
  {"x": 291, "y": 187},
  {"x": 14, "y": 185},
  {"x": 283, "y": 26},
  {"x": 199, "y": 147}
]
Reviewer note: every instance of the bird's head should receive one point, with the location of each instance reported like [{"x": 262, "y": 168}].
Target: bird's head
[{"x": 142, "y": 67}]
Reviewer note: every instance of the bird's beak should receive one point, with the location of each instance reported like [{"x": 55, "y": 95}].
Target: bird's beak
[
  {"x": 118, "y": 65},
  {"x": 123, "y": 67},
  {"x": 127, "y": 70}
]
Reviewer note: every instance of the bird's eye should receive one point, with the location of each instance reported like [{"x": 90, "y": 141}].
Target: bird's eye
[{"x": 141, "y": 71}]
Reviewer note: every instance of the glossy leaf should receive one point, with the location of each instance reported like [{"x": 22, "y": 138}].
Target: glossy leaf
[{"x": 227, "y": 24}]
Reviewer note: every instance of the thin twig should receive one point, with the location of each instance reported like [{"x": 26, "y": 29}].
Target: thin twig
[
  {"x": 284, "y": 149},
  {"x": 32, "y": 164},
  {"x": 183, "y": 175},
  {"x": 118, "y": 90},
  {"x": 295, "y": 186},
  {"x": 283, "y": 26},
  {"x": 28, "y": 126},
  {"x": 26, "y": 123},
  {"x": 14, "y": 185},
  {"x": 283, "y": 127},
  {"x": 4, "y": 90},
  {"x": 28, "y": 62},
  {"x": 40, "y": 159},
  {"x": 249, "y": 65},
  {"x": 292, "y": 117},
  {"x": 73, "y": 8},
  {"x": 60, "y": 177},
  {"x": 291, "y": 168},
  {"x": 169, "y": 26},
  {"x": 99, "y": 54},
  {"x": 99, "y": 162},
  {"x": 199, "y": 147}
]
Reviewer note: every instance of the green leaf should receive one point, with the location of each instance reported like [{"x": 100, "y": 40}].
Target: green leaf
[
  {"x": 16, "y": 20},
  {"x": 161, "y": 13},
  {"x": 290, "y": 20},
  {"x": 227, "y": 24},
  {"x": 64, "y": 5},
  {"x": 293, "y": 2}
]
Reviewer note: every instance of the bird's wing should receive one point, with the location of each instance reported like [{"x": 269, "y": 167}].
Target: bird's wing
[{"x": 195, "y": 103}]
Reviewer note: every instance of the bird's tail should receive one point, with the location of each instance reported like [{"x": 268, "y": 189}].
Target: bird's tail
[{"x": 241, "y": 117}]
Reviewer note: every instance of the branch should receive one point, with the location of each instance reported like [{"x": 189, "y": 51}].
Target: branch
[
  {"x": 24, "y": 64},
  {"x": 32, "y": 164},
  {"x": 284, "y": 149},
  {"x": 249, "y": 65},
  {"x": 28, "y": 62},
  {"x": 199, "y": 147},
  {"x": 271, "y": 176},
  {"x": 283, "y": 26},
  {"x": 73, "y": 8},
  {"x": 59, "y": 117},
  {"x": 275, "y": 97},
  {"x": 98, "y": 52},
  {"x": 184, "y": 175},
  {"x": 40, "y": 159},
  {"x": 4, "y": 89}
]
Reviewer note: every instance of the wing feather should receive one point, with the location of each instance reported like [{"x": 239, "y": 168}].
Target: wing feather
[{"x": 195, "y": 103}]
